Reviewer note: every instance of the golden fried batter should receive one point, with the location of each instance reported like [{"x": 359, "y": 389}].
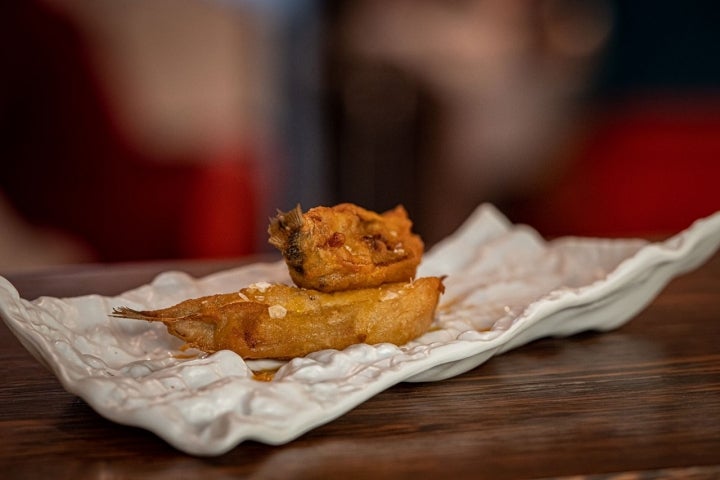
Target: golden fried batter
[
  {"x": 281, "y": 321},
  {"x": 346, "y": 247}
]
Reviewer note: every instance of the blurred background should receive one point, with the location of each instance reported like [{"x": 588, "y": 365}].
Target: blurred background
[{"x": 172, "y": 129}]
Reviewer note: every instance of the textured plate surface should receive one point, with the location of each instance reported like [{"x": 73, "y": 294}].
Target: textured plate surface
[{"x": 506, "y": 286}]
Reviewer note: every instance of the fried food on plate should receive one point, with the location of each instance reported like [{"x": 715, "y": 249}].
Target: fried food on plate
[
  {"x": 354, "y": 273},
  {"x": 346, "y": 247},
  {"x": 281, "y": 321}
]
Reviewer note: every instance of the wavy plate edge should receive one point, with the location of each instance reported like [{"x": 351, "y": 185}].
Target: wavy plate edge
[{"x": 646, "y": 272}]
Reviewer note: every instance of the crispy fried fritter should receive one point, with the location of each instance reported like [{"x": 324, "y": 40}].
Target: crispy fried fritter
[
  {"x": 346, "y": 247},
  {"x": 281, "y": 321}
]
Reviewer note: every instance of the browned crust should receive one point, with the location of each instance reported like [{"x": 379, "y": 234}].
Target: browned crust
[
  {"x": 312, "y": 320},
  {"x": 346, "y": 247}
]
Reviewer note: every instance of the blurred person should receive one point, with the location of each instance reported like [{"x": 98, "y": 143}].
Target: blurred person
[
  {"x": 579, "y": 117},
  {"x": 144, "y": 129},
  {"x": 497, "y": 87}
]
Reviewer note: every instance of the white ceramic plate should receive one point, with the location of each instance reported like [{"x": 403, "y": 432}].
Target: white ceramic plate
[{"x": 506, "y": 286}]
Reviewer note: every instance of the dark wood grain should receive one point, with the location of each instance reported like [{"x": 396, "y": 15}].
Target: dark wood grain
[{"x": 641, "y": 402}]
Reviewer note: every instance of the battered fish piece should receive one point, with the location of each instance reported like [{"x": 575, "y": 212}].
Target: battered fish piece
[
  {"x": 346, "y": 247},
  {"x": 281, "y": 321}
]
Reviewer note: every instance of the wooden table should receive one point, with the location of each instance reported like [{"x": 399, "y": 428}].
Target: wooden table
[{"x": 643, "y": 400}]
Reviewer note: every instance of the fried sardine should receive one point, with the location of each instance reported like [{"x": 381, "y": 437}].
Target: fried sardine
[
  {"x": 346, "y": 247},
  {"x": 281, "y": 321}
]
